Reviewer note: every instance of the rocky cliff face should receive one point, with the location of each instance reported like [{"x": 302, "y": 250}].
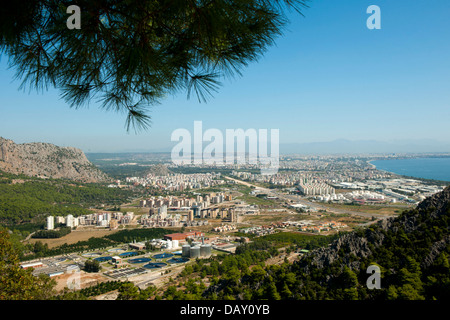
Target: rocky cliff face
[{"x": 48, "y": 161}]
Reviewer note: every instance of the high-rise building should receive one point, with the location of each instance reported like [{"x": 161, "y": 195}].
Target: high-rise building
[
  {"x": 163, "y": 211},
  {"x": 190, "y": 216},
  {"x": 69, "y": 221},
  {"x": 50, "y": 223},
  {"x": 232, "y": 215}
]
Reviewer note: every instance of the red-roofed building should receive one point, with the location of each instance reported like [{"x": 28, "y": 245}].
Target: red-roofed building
[{"x": 183, "y": 236}]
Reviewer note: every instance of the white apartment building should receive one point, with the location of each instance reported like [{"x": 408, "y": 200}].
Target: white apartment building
[{"x": 50, "y": 223}]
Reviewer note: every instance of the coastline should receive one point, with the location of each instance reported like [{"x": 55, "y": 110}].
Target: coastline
[{"x": 430, "y": 180}]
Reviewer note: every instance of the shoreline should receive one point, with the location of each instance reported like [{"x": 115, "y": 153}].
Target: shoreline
[{"x": 430, "y": 180}]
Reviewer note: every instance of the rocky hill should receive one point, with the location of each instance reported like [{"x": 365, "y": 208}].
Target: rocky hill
[
  {"x": 46, "y": 160},
  {"x": 412, "y": 251},
  {"x": 364, "y": 244}
]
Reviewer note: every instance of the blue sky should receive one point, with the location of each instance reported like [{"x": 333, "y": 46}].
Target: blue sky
[{"x": 328, "y": 77}]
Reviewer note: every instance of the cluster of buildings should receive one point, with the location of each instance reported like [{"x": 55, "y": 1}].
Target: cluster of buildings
[
  {"x": 161, "y": 218},
  {"x": 321, "y": 176},
  {"x": 245, "y": 209},
  {"x": 365, "y": 197},
  {"x": 285, "y": 178},
  {"x": 398, "y": 189},
  {"x": 183, "y": 203},
  {"x": 261, "y": 230},
  {"x": 105, "y": 219},
  {"x": 315, "y": 188},
  {"x": 357, "y": 196},
  {"x": 308, "y": 226},
  {"x": 158, "y": 220},
  {"x": 178, "y": 182},
  {"x": 335, "y": 168},
  {"x": 328, "y": 169},
  {"x": 225, "y": 228}
]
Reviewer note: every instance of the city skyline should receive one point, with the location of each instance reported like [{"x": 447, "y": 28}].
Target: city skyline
[{"x": 327, "y": 78}]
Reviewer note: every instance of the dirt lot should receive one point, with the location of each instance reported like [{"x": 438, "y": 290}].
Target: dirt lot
[
  {"x": 85, "y": 279},
  {"x": 268, "y": 218},
  {"x": 74, "y": 237}
]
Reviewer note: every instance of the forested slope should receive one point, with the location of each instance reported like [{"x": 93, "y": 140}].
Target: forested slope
[{"x": 411, "y": 250}]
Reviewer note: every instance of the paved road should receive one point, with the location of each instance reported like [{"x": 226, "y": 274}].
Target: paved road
[{"x": 298, "y": 199}]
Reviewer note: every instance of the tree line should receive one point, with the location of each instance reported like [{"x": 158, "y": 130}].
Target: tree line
[{"x": 51, "y": 234}]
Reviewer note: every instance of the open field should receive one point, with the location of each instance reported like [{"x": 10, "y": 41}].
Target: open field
[
  {"x": 257, "y": 200},
  {"x": 373, "y": 209},
  {"x": 75, "y": 236},
  {"x": 135, "y": 209},
  {"x": 267, "y": 218}
]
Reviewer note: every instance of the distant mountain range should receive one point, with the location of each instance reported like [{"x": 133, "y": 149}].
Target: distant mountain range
[{"x": 48, "y": 161}]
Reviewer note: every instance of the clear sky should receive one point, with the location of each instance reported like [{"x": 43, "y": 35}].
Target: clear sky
[{"x": 329, "y": 77}]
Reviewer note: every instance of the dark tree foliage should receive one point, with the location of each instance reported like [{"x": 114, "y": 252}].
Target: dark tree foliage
[
  {"x": 17, "y": 283},
  {"x": 51, "y": 234},
  {"x": 92, "y": 266},
  {"x": 138, "y": 234},
  {"x": 131, "y": 53}
]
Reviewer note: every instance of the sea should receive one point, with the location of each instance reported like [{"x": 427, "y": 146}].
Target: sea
[{"x": 426, "y": 168}]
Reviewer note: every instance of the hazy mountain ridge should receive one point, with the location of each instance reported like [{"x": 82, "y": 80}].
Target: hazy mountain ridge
[{"x": 49, "y": 161}]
